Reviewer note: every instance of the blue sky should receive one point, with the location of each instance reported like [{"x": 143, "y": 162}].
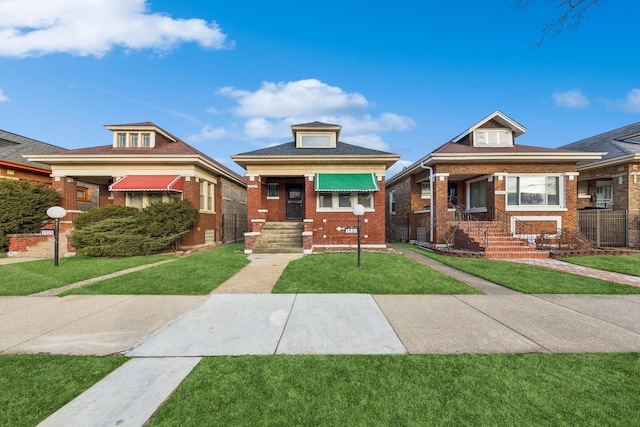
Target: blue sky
[{"x": 229, "y": 77}]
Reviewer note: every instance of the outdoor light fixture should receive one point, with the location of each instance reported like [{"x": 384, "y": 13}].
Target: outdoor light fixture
[
  {"x": 56, "y": 212},
  {"x": 358, "y": 211}
]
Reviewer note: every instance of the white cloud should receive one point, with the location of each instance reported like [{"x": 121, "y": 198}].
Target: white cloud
[
  {"x": 208, "y": 133},
  {"x": 570, "y": 99},
  {"x": 286, "y": 99},
  {"x": 270, "y": 111},
  {"x": 94, "y": 27},
  {"x": 3, "y": 97},
  {"x": 631, "y": 103}
]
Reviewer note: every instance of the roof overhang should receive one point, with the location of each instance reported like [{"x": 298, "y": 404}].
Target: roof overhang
[
  {"x": 434, "y": 159},
  {"x": 148, "y": 183},
  {"x": 243, "y": 161},
  {"x": 134, "y": 159},
  {"x": 609, "y": 162}
]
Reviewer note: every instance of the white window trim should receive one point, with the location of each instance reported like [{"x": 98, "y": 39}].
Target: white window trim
[
  {"x": 207, "y": 191},
  {"x": 468, "y": 195},
  {"x": 562, "y": 207},
  {"x": 392, "y": 202},
  {"x": 585, "y": 195},
  {"x": 145, "y": 198},
  {"x": 335, "y": 201},
  {"x": 509, "y": 143},
  {"x": 299, "y": 136},
  {"x": 277, "y": 186},
  {"x": 129, "y": 136},
  {"x": 422, "y": 192}
]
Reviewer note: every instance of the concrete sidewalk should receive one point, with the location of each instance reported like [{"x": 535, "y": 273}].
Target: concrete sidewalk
[{"x": 166, "y": 336}]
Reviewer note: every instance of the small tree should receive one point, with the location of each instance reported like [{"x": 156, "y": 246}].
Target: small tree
[
  {"x": 23, "y": 207},
  {"x": 106, "y": 212}
]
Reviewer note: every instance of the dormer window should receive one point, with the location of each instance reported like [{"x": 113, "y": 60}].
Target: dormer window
[
  {"x": 315, "y": 140},
  {"x": 132, "y": 139},
  {"x": 492, "y": 138}
]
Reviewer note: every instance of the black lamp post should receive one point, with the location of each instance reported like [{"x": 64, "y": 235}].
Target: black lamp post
[
  {"x": 358, "y": 211},
  {"x": 56, "y": 212}
]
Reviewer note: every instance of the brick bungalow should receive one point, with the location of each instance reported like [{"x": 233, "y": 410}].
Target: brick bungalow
[
  {"x": 613, "y": 182},
  {"x": 483, "y": 186},
  {"x": 145, "y": 164},
  {"x": 311, "y": 186}
]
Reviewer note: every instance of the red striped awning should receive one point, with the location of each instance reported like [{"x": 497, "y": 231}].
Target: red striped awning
[{"x": 148, "y": 183}]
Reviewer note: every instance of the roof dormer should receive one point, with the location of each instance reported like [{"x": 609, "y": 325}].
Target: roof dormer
[
  {"x": 495, "y": 130},
  {"x": 137, "y": 135},
  {"x": 316, "y": 135}
]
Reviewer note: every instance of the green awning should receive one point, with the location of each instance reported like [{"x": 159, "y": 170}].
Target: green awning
[{"x": 346, "y": 182}]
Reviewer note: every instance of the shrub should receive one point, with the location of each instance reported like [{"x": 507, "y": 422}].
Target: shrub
[
  {"x": 23, "y": 207},
  {"x": 106, "y": 212},
  {"x": 129, "y": 232}
]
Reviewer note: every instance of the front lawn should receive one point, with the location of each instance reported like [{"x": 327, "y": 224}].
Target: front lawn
[
  {"x": 32, "y": 387},
  {"x": 530, "y": 279},
  {"x": 379, "y": 273},
  {"x": 625, "y": 264},
  {"x": 25, "y": 278},
  {"x": 196, "y": 274},
  {"x": 409, "y": 390}
]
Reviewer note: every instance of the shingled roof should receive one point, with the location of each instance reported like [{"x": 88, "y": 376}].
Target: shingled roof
[
  {"x": 289, "y": 149},
  {"x": 13, "y": 147},
  {"x": 617, "y": 143}
]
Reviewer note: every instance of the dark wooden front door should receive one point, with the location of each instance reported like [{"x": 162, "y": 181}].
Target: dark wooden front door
[{"x": 294, "y": 202}]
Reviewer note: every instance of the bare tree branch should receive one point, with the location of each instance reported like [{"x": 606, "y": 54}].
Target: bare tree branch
[{"x": 571, "y": 14}]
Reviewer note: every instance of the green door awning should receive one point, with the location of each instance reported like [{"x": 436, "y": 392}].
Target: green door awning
[{"x": 346, "y": 182}]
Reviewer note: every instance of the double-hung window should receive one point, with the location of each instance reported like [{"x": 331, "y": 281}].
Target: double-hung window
[
  {"x": 534, "y": 190},
  {"x": 206, "y": 195},
  {"x": 344, "y": 200}
]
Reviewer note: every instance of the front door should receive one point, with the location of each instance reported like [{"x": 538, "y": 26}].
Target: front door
[{"x": 294, "y": 202}]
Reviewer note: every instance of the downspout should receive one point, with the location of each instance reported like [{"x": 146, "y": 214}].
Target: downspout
[{"x": 430, "y": 169}]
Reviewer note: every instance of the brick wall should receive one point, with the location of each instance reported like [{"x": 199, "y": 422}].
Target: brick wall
[{"x": 42, "y": 246}]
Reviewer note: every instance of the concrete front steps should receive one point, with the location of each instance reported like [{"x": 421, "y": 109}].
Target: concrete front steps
[
  {"x": 280, "y": 238},
  {"x": 500, "y": 244}
]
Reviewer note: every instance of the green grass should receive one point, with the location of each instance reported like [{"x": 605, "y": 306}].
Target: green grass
[
  {"x": 379, "y": 273},
  {"x": 197, "y": 274},
  {"x": 29, "y": 277},
  {"x": 32, "y": 387},
  {"x": 530, "y": 279},
  {"x": 625, "y": 264},
  {"x": 409, "y": 390},
  {"x": 4, "y": 255}
]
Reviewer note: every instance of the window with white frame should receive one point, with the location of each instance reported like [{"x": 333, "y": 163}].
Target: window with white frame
[
  {"x": 206, "y": 196},
  {"x": 142, "y": 199},
  {"x": 121, "y": 139},
  {"x": 343, "y": 200},
  {"x": 392, "y": 202},
  {"x": 425, "y": 190},
  {"x": 534, "y": 190},
  {"x": 477, "y": 195},
  {"x": 272, "y": 190},
  {"x": 583, "y": 189},
  {"x": 134, "y": 139},
  {"x": 315, "y": 140},
  {"x": 492, "y": 138},
  {"x": 604, "y": 194}
]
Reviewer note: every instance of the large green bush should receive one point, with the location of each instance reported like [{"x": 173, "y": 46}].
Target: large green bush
[
  {"x": 117, "y": 232},
  {"x": 23, "y": 207},
  {"x": 106, "y": 212}
]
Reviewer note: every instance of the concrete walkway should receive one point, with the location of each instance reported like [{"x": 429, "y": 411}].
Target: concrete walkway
[{"x": 166, "y": 336}]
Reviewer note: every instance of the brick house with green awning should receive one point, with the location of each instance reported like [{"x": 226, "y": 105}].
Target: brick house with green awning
[{"x": 312, "y": 184}]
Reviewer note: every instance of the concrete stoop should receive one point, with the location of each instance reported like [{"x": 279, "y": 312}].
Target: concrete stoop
[{"x": 280, "y": 238}]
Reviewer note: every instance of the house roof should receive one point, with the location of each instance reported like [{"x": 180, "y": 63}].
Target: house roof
[
  {"x": 288, "y": 151},
  {"x": 13, "y": 147},
  {"x": 498, "y": 117},
  {"x": 621, "y": 145},
  {"x": 454, "y": 152},
  {"x": 176, "y": 151}
]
